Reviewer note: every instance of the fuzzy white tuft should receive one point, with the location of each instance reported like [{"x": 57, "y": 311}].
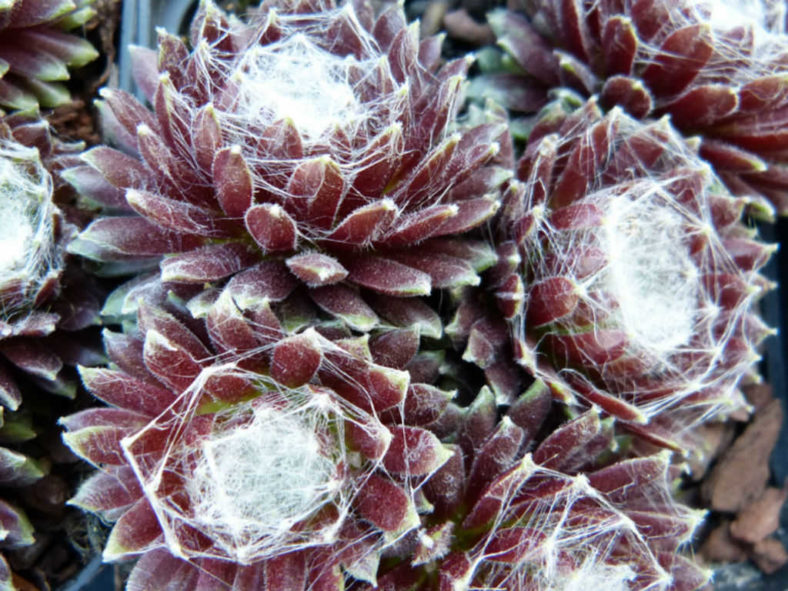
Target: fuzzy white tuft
[
  {"x": 761, "y": 15},
  {"x": 651, "y": 271},
  {"x": 592, "y": 575},
  {"x": 28, "y": 253},
  {"x": 259, "y": 479},
  {"x": 297, "y": 80}
]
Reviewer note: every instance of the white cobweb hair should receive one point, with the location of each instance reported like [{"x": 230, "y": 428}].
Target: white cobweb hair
[
  {"x": 250, "y": 472},
  {"x": 28, "y": 250},
  {"x": 580, "y": 539},
  {"x": 265, "y": 476},
  {"x": 648, "y": 277},
  {"x": 302, "y": 78},
  {"x": 748, "y": 37},
  {"x": 339, "y": 99}
]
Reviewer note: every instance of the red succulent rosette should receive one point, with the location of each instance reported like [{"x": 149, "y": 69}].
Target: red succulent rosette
[
  {"x": 717, "y": 68},
  {"x": 38, "y": 294},
  {"x": 517, "y": 508},
  {"x": 631, "y": 280},
  {"x": 41, "y": 303},
  {"x": 36, "y": 50},
  {"x": 315, "y": 134},
  {"x": 255, "y": 454}
]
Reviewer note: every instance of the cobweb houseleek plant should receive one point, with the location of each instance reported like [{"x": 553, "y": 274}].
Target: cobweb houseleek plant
[
  {"x": 317, "y": 135},
  {"x": 717, "y": 68},
  {"x": 632, "y": 281},
  {"x": 278, "y": 468},
  {"x": 300, "y": 207},
  {"x": 39, "y": 307}
]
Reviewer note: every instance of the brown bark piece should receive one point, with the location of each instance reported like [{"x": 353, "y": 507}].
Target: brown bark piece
[
  {"x": 760, "y": 518},
  {"x": 769, "y": 555},
  {"x": 740, "y": 476},
  {"x": 721, "y": 547}
]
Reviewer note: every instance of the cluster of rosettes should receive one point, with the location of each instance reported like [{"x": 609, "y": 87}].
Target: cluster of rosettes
[
  {"x": 282, "y": 406},
  {"x": 717, "y": 68},
  {"x": 36, "y": 50},
  {"x": 630, "y": 279}
]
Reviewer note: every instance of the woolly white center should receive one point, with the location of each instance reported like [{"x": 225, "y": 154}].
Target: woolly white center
[
  {"x": 296, "y": 79},
  {"x": 597, "y": 575},
  {"x": 765, "y": 17},
  {"x": 727, "y": 14},
  {"x": 259, "y": 479},
  {"x": 651, "y": 272},
  {"x": 24, "y": 189}
]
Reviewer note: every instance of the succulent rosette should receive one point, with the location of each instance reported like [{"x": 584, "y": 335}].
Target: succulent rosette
[
  {"x": 38, "y": 293},
  {"x": 37, "y": 303},
  {"x": 717, "y": 68},
  {"x": 630, "y": 279},
  {"x": 550, "y": 530},
  {"x": 316, "y": 135},
  {"x": 252, "y": 457},
  {"x": 521, "y": 507},
  {"x": 36, "y": 50}
]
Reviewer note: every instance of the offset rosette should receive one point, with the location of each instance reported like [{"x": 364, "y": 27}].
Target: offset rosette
[
  {"x": 36, "y": 50},
  {"x": 545, "y": 529},
  {"x": 37, "y": 294},
  {"x": 287, "y": 460},
  {"x": 316, "y": 135},
  {"x": 631, "y": 280},
  {"x": 518, "y": 508},
  {"x": 717, "y": 68},
  {"x": 39, "y": 305}
]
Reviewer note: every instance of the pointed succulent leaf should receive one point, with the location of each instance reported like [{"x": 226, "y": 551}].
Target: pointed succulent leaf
[
  {"x": 496, "y": 455},
  {"x": 169, "y": 362},
  {"x": 347, "y": 304},
  {"x": 388, "y": 276},
  {"x": 409, "y": 313},
  {"x": 316, "y": 269},
  {"x": 530, "y": 410},
  {"x": 134, "y": 533},
  {"x": 118, "y": 238},
  {"x": 414, "y": 451},
  {"x": 176, "y": 215},
  {"x": 158, "y": 568},
  {"x": 386, "y": 505},
  {"x": 295, "y": 360},
  {"x": 209, "y": 263},
  {"x": 233, "y": 181},
  {"x": 124, "y": 391},
  {"x": 395, "y": 348},
  {"x": 272, "y": 228},
  {"x": 17, "y": 469},
  {"x": 17, "y": 531},
  {"x": 680, "y": 58},
  {"x": 108, "y": 491},
  {"x": 363, "y": 225}
]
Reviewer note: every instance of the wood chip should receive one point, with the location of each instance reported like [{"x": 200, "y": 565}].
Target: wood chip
[
  {"x": 761, "y": 518},
  {"x": 740, "y": 477}
]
